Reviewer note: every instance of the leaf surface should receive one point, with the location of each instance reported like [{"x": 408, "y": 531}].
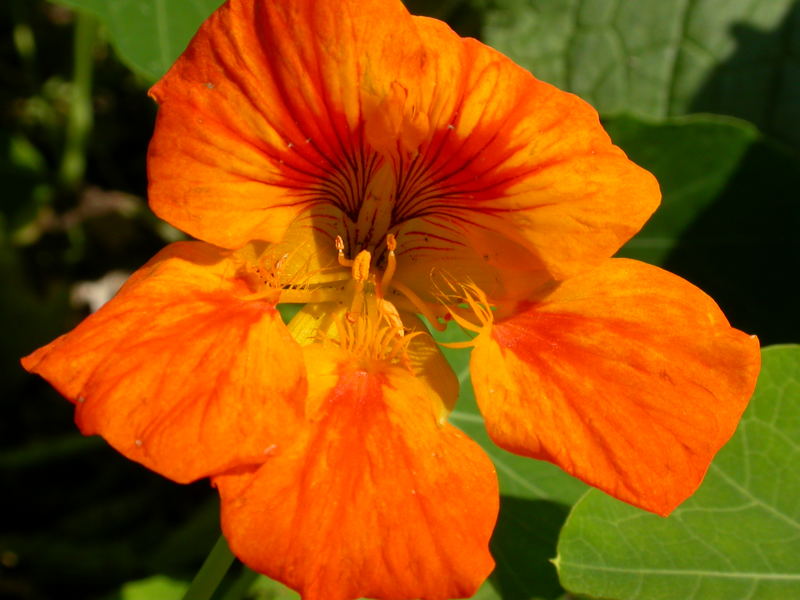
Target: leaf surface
[
  {"x": 729, "y": 217},
  {"x": 149, "y": 34},
  {"x": 659, "y": 58}
]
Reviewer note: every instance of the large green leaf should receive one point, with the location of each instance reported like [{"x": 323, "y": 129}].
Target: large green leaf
[
  {"x": 657, "y": 58},
  {"x": 693, "y": 158},
  {"x": 737, "y": 537},
  {"x": 729, "y": 217},
  {"x": 149, "y": 34}
]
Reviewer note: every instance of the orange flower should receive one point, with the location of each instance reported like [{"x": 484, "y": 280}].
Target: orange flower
[{"x": 373, "y": 165}]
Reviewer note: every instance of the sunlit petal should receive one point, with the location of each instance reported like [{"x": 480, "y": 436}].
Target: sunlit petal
[
  {"x": 178, "y": 372},
  {"x": 628, "y": 377},
  {"x": 377, "y": 498}
]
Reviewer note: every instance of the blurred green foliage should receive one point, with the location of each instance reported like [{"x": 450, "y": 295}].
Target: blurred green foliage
[
  {"x": 76, "y": 522},
  {"x": 79, "y": 521}
]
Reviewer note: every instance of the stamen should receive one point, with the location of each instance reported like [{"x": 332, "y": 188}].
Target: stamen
[
  {"x": 387, "y": 336},
  {"x": 423, "y": 307},
  {"x": 279, "y": 264},
  {"x": 389, "y": 312},
  {"x": 360, "y": 274},
  {"x": 370, "y": 328},
  {"x": 391, "y": 263},
  {"x": 463, "y": 319},
  {"x": 480, "y": 309},
  {"x": 266, "y": 281},
  {"x": 345, "y": 262}
]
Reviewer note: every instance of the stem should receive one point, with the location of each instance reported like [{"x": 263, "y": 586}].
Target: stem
[
  {"x": 211, "y": 574},
  {"x": 79, "y": 123},
  {"x": 243, "y": 583}
]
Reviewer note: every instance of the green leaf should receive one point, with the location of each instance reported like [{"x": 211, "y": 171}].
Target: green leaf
[
  {"x": 729, "y": 217},
  {"x": 658, "y": 58},
  {"x": 149, "y": 34},
  {"x": 737, "y": 537},
  {"x": 693, "y": 159}
]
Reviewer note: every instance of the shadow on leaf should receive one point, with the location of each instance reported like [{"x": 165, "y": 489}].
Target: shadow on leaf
[{"x": 523, "y": 543}]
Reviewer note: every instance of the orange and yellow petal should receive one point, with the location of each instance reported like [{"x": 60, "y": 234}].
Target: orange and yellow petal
[
  {"x": 396, "y": 123},
  {"x": 180, "y": 371},
  {"x": 257, "y": 118},
  {"x": 377, "y": 498},
  {"x": 425, "y": 360},
  {"x": 509, "y": 155},
  {"x": 627, "y": 377}
]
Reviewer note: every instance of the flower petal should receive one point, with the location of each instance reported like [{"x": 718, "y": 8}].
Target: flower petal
[
  {"x": 178, "y": 371},
  {"x": 257, "y": 118},
  {"x": 509, "y": 155},
  {"x": 426, "y": 361},
  {"x": 627, "y": 377},
  {"x": 377, "y": 498},
  {"x": 396, "y": 122}
]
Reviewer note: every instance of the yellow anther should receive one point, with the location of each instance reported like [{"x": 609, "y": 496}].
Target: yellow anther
[
  {"x": 391, "y": 263},
  {"x": 281, "y": 262},
  {"x": 345, "y": 262}
]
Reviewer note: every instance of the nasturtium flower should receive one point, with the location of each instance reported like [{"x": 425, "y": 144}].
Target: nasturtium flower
[{"x": 374, "y": 166}]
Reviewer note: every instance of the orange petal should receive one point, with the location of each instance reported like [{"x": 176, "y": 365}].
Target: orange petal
[
  {"x": 627, "y": 377},
  {"x": 257, "y": 119},
  {"x": 504, "y": 269},
  {"x": 512, "y": 156},
  {"x": 375, "y": 499},
  {"x": 279, "y": 107},
  {"x": 178, "y": 372}
]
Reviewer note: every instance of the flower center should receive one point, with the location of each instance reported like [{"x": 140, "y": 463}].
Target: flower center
[
  {"x": 353, "y": 302},
  {"x": 366, "y": 324}
]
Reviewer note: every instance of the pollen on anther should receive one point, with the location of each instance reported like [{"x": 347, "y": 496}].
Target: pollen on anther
[{"x": 138, "y": 443}]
